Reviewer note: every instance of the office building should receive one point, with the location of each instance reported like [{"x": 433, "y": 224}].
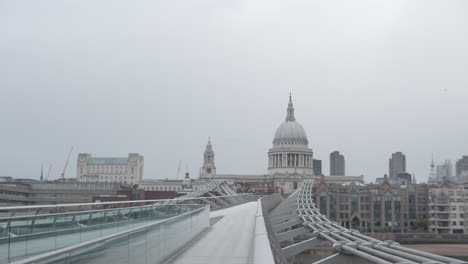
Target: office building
[
  {"x": 317, "y": 166},
  {"x": 337, "y": 164},
  {"x": 462, "y": 167},
  {"x": 397, "y": 164}
]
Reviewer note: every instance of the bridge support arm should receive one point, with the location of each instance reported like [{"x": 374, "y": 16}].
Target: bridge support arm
[
  {"x": 286, "y": 225},
  {"x": 339, "y": 258},
  {"x": 292, "y": 234},
  {"x": 300, "y": 247}
]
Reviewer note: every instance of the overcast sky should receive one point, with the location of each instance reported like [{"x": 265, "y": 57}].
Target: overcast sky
[{"x": 368, "y": 78}]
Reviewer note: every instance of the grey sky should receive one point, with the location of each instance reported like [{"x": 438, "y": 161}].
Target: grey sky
[{"x": 158, "y": 77}]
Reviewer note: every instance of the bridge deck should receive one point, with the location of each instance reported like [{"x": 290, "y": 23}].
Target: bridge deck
[{"x": 228, "y": 241}]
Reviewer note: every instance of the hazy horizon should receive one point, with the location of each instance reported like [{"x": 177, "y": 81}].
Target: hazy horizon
[{"x": 158, "y": 78}]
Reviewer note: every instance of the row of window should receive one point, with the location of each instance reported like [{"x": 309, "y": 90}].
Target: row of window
[
  {"x": 445, "y": 224},
  {"x": 107, "y": 169},
  {"x": 162, "y": 188},
  {"x": 446, "y": 216}
]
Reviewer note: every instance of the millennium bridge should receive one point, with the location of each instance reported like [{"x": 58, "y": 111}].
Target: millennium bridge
[{"x": 212, "y": 225}]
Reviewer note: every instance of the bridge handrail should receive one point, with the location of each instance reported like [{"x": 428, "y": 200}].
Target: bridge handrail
[
  {"x": 263, "y": 252},
  {"x": 58, "y": 252},
  {"x": 25, "y": 207}
]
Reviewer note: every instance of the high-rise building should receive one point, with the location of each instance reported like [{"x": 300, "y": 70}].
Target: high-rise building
[
  {"x": 337, "y": 164},
  {"x": 396, "y": 164},
  {"x": 462, "y": 166},
  {"x": 444, "y": 170},
  {"x": 317, "y": 166}
]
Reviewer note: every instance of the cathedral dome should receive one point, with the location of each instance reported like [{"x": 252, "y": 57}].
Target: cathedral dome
[{"x": 290, "y": 131}]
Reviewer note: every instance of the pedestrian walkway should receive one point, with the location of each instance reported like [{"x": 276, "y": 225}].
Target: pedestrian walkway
[{"x": 228, "y": 241}]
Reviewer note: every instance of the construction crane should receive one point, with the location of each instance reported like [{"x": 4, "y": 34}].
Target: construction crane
[
  {"x": 48, "y": 172},
  {"x": 66, "y": 164},
  {"x": 178, "y": 170}
]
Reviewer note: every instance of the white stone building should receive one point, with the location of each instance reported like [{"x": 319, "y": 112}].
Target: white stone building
[
  {"x": 448, "y": 208},
  {"x": 183, "y": 185},
  {"x": 290, "y": 160},
  {"x": 127, "y": 170},
  {"x": 290, "y": 153},
  {"x": 209, "y": 168}
]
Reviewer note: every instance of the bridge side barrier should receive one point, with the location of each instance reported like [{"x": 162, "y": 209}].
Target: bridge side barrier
[
  {"x": 266, "y": 251},
  {"x": 156, "y": 242}
]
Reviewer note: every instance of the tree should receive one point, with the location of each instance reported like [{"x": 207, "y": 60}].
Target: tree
[{"x": 421, "y": 223}]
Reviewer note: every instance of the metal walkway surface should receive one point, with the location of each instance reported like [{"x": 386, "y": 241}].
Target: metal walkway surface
[{"x": 229, "y": 240}]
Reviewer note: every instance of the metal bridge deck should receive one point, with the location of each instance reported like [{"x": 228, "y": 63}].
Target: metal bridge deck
[{"x": 228, "y": 241}]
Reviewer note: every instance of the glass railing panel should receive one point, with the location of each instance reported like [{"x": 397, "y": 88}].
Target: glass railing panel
[
  {"x": 154, "y": 243},
  {"x": 25, "y": 236}
]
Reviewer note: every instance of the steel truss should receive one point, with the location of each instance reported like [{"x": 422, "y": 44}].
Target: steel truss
[{"x": 298, "y": 215}]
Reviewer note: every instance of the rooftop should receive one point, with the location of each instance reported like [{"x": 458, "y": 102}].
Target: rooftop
[{"x": 107, "y": 161}]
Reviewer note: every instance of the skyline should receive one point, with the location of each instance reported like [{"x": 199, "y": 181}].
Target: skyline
[
  {"x": 158, "y": 78},
  {"x": 194, "y": 171}
]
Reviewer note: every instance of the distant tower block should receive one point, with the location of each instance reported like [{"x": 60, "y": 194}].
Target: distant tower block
[
  {"x": 209, "y": 168},
  {"x": 337, "y": 164},
  {"x": 396, "y": 164}
]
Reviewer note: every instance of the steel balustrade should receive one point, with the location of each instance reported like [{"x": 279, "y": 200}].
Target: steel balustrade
[
  {"x": 346, "y": 241},
  {"x": 50, "y": 221}
]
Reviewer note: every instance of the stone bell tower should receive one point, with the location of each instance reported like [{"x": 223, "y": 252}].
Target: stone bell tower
[{"x": 209, "y": 168}]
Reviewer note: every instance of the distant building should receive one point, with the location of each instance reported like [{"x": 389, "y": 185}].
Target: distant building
[
  {"x": 448, "y": 208},
  {"x": 290, "y": 162},
  {"x": 403, "y": 178},
  {"x": 337, "y": 164},
  {"x": 5, "y": 178},
  {"x": 380, "y": 180},
  {"x": 462, "y": 166},
  {"x": 290, "y": 154},
  {"x": 32, "y": 192},
  {"x": 396, "y": 164},
  {"x": 128, "y": 170},
  {"x": 444, "y": 170},
  {"x": 317, "y": 167},
  {"x": 432, "y": 173},
  {"x": 209, "y": 169},
  {"x": 173, "y": 185},
  {"x": 382, "y": 207}
]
